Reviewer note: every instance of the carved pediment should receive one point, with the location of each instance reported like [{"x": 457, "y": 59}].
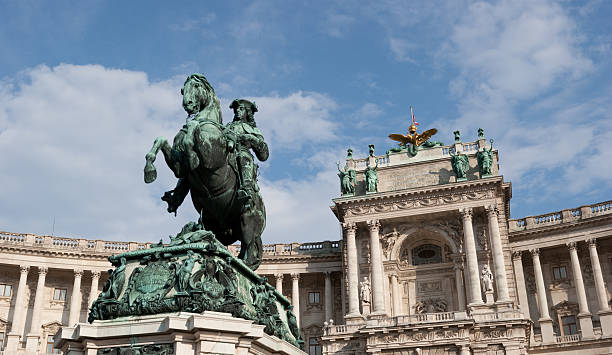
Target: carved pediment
[{"x": 565, "y": 307}]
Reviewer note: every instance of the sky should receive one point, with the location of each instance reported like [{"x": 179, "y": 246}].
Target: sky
[{"x": 85, "y": 88}]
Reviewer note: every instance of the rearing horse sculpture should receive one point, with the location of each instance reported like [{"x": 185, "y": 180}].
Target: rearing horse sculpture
[{"x": 203, "y": 160}]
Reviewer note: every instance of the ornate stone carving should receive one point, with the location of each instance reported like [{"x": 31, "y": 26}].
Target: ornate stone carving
[
  {"x": 151, "y": 349},
  {"x": 466, "y": 213},
  {"x": 431, "y": 305},
  {"x": 43, "y": 270},
  {"x": 95, "y": 274},
  {"x": 388, "y": 241}
]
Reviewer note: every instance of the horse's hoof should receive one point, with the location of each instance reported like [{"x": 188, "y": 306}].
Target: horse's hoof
[{"x": 150, "y": 174}]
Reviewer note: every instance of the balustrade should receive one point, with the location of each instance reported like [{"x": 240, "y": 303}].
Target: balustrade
[{"x": 572, "y": 338}]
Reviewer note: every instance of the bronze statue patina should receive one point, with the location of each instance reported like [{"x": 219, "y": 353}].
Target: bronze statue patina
[
  {"x": 214, "y": 164},
  {"x": 196, "y": 272}
]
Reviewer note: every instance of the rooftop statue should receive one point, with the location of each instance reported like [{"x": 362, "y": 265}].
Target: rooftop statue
[
  {"x": 215, "y": 165},
  {"x": 412, "y": 138}
]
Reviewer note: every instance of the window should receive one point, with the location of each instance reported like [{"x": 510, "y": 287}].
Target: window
[
  {"x": 426, "y": 254},
  {"x": 59, "y": 294},
  {"x": 569, "y": 325},
  {"x": 5, "y": 290},
  {"x": 313, "y": 347},
  {"x": 559, "y": 273},
  {"x": 50, "y": 348},
  {"x": 314, "y": 297},
  {"x": 1, "y": 341}
]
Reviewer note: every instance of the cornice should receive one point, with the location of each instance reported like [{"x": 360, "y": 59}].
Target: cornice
[
  {"x": 419, "y": 198},
  {"x": 21, "y": 250},
  {"x": 301, "y": 258},
  {"x": 377, "y": 197}
]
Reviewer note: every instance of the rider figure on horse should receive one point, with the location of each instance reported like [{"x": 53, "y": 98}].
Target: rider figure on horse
[{"x": 244, "y": 136}]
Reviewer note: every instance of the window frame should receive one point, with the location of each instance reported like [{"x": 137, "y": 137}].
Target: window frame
[
  {"x": 316, "y": 296},
  {"x": 560, "y": 271},
  {"x": 314, "y": 348},
  {"x": 3, "y": 288},
  {"x": 62, "y": 292}
]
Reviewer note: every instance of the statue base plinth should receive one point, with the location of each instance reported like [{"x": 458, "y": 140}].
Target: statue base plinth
[
  {"x": 194, "y": 274},
  {"x": 174, "y": 333}
]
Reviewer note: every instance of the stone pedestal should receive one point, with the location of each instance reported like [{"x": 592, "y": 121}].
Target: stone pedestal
[
  {"x": 586, "y": 326},
  {"x": 605, "y": 318},
  {"x": 489, "y": 297},
  {"x": 182, "y": 333},
  {"x": 546, "y": 326}
]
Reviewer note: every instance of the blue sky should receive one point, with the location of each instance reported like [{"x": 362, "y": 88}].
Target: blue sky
[{"x": 85, "y": 87}]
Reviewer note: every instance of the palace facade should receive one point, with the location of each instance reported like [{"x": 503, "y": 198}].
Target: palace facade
[{"x": 428, "y": 263}]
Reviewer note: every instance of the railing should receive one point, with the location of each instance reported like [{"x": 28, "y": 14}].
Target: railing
[
  {"x": 548, "y": 218},
  {"x": 116, "y": 247},
  {"x": 448, "y": 150},
  {"x": 563, "y": 216},
  {"x": 342, "y": 329},
  {"x": 65, "y": 243},
  {"x": 417, "y": 319},
  {"x": 572, "y": 338},
  {"x": 12, "y": 237},
  {"x": 361, "y": 164},
  {"x": 470, "y": 147},
  {"x": 601, "y": 208},
  {"x": 511, "y": 314}
]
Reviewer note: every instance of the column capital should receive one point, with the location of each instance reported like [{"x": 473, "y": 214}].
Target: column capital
[
  {"x": 517, "y": 255},
  {"x": 78, "y": 272},
  {"x": 535, "y": 252},
  {"x": 95, "y": 274},
  {"x": 327, "y": 273},
  {"x": 42, "y": 270},
  {"x": 571, "y": 245},
  {"x": 279, "y": 276},
  {"x": 24, "y": 269},
  {"x": 373, "y": 224},
  {"x": 295, "y": 276},
  {"x": 349, "y": 226},
  {"x": 466, "y": 213},
  {"x": 491, "y": 210},
  {"x": 592, "y": 242},
  {"x": 457, "y": 267}
]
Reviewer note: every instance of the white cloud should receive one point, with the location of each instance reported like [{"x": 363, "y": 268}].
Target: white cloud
[
  {"x": 337, "y": 24},
  {"x": 299, "y": 210},
  {"x": 74, "y": 138},
  {"x": 402, "y": 49},
  {"x": 291, "y": 121},
  {"x": 513, "y": 54}
]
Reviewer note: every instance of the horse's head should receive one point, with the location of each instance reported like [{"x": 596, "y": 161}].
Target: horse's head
[{"x": 198, "y": 95}]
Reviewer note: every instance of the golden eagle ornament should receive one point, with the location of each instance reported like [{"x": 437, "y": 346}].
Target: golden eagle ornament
[{"x": 412, "y": 136}]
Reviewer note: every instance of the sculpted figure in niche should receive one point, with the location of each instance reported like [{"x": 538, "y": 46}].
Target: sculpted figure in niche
[
  {"x": 365, "y": 290},
  {"x": 487, "y": 278}
]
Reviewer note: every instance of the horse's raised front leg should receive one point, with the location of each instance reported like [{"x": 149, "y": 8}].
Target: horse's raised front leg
[{"x": 150, "y": 174}]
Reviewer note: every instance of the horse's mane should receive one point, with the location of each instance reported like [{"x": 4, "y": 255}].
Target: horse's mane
[{"x": 209, "y": 92}]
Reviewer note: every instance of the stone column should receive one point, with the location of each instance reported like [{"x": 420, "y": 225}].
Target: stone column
[
  {"x": 328, "y": 297},
  {"x": 353, "y": 276},
  {"x": 584, "y": 317},
  {"x": 295, "y": 296},
  {"x": 378, "y": 297},
  {"x": 472, "y": 258},
  {"x": 279, "y": 282},
  {"x": 519, "y": 274},
  {"x": 460, "y": 287},
  {"x": 93, "y": 289},
  {"x": 395, "y": 293},
  {"x": 605, "y": 315},
  {"x": 35, "y": 326},
  {"x": 75, "y": 299},
  {"x": 545, "y": 321},
  {"x": 17, "y": 327},
  {"x": 497, "y": 250}
]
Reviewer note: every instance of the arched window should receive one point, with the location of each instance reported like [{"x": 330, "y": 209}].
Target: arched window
[{"x": 426, "y": 254}]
